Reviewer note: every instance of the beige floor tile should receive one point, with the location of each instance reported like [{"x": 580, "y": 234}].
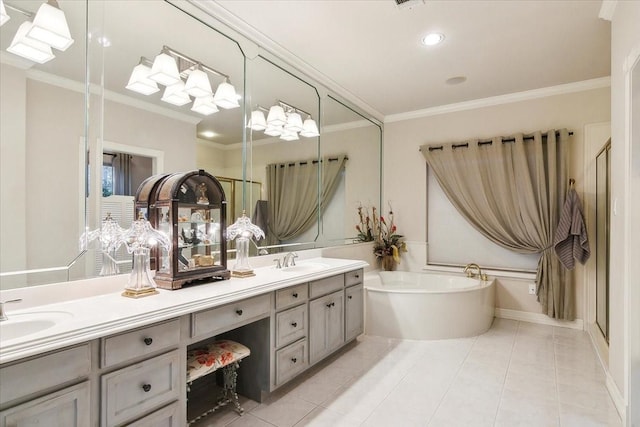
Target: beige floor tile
[
  {"x": 283, "y": 412},
  {"x": 532, "y": 385},
  {"x": 518, "y": 408},
  {"x": 323, "y": 417},
  {"x": 576, "y": 416}
]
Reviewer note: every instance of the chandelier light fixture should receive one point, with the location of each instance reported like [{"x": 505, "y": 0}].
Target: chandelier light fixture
[
  {"x": 283, "y": 120},
  {"x": 45, "y": 29},
  {"x": 3, "y": 14},
  {"x": 184, "y": 78},
  {"x": 140, "y": 81},
  {"x": 50, "y": 26}
]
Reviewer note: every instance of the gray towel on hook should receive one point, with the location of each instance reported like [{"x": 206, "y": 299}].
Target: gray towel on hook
[{"x": 571, "y": 241}]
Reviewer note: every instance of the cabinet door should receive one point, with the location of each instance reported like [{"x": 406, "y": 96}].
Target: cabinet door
[
  {"x": 130, "y": 392},
  {"x": 65, "y": 408},
  {"x": 326, "y": 325},
  {"x": 353, "y": 312}
]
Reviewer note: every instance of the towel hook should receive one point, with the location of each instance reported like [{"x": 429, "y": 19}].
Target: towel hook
[{"x": 571, "y": 182}]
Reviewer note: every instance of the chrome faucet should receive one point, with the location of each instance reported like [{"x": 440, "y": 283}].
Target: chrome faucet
[
  {"x": 289, "y": 259},
  {"x": 479, "y": 274},
  {"x": 3, "y": 315}
]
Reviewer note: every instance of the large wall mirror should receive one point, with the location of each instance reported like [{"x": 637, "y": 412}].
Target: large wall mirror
[{"x": 66, "y": 144}]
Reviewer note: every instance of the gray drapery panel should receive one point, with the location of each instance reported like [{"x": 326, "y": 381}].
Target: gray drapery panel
[
  {"x": 292, "y": 190},
  {"x": 513, "y": 193},
  {"x": 122, "y": 174}
]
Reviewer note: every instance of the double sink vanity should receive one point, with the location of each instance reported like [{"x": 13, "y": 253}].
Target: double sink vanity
[{"x": 105, "y": 360}]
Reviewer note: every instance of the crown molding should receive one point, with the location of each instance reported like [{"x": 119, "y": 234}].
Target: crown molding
[
  {"x": 502, "y": 99},
  {"x": 607, "y": 9},
  {"x": 267, "y": 44}
]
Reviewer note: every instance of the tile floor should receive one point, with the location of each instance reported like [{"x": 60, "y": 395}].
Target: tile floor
[{"x": 516, "y": 374}]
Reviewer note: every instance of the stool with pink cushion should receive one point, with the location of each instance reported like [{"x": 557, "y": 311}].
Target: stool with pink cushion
[{"x": 222, "y": 354}]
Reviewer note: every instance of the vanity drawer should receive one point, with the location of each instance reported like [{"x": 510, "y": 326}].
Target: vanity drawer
[
  {"x": 132, "y": 391},
  {"x": 42, "y": 373},
  {"x": 353, "y": 277},
  {"x": 291, "y": 325},
  {"x": 290, "y": 361},
  {"x": 326, "y": 286},
  {"x": 165, "y": 417},
  {"x": 292, "y": 295},
  {"x": 119, "y": 348},
  {"x": 225, "y": 318}
]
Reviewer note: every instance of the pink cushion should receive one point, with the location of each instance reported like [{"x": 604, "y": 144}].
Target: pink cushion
[{"x": 204, "y": 360}]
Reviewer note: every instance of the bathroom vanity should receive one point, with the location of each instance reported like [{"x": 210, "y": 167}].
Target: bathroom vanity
[{"x": 112, "y": 361}]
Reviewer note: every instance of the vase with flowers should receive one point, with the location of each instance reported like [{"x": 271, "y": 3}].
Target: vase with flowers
[{"x": 388, "y": 244}]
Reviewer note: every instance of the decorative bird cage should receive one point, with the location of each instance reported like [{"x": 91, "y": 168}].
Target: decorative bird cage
[{"x": 190, "y": 208}]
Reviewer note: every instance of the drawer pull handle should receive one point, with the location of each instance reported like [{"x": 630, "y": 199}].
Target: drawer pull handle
[
  {"x": 331, "y": 304},
  {"x": 146, "y": 387},
  {"x": 295, "y": 295},
  {"x": 350, "y": 297},
  {"x": 148, "y": 341},
  {"x": 357, "y": 276},
  {"x": 239, "y": 312},
  {"x": 294, "y": 360},
  {"x": 294, "y": 324}
]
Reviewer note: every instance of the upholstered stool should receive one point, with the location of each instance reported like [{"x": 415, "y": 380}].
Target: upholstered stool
[{"x": 225, "y": 354}]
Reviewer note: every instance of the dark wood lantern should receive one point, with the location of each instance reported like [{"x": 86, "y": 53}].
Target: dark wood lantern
[{"x": 190, "y": 207}]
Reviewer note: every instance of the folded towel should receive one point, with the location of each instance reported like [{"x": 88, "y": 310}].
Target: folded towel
[{"x": 571, "y": 240}]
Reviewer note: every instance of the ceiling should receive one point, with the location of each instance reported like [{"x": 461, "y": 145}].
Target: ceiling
[{"x": 370, "y": 50}]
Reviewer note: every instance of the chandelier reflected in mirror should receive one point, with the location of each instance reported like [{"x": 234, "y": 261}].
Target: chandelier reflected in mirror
[
  {"x": 283, "y": 120},
  {"x": 43, "y": 30},
  {"x": 183, "y": 78}
]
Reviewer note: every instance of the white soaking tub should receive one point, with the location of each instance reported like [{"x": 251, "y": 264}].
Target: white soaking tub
[{"x": 427, "y": 306}]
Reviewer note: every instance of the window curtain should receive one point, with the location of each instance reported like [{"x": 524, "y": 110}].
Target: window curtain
[
  {"x": 513, "y": 193},
  {"x": 293, "y": 190},
  {"x": 122, "y": 174}
]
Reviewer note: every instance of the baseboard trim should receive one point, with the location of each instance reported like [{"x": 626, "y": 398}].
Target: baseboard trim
[
  {"x": 616, "y": 397},
  {"x": 526, "y": 316}
]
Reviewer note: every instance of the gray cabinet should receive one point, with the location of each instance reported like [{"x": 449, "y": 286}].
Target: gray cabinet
[
  {"x": 138, "y": 377},
  {"x": 353, "y": 312},
  {"x": 68, "y": 407},
  {"x": 326, "y": 325}
]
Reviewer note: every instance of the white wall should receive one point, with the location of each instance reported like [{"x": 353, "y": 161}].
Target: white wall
[
  {"x": 625, "y": 39},
  {"x": 405, "y": 170},
  {"x": 13, "y": 168},
  {"x": 55, "y": 129}
]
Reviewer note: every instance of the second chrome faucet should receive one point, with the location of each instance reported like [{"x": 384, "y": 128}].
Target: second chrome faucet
[{"x": 289, "y": 260}]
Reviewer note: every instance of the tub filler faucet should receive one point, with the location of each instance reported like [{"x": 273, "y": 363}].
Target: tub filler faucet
[{"x": 479, "y": 274}]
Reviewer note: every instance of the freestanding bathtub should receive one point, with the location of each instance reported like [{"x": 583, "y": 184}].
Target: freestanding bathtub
[{"x": 427, "y": 306}]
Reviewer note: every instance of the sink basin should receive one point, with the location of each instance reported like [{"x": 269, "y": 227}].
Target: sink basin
[
  {"x": 23, "y": 324},
  {"x": 305, "y": 267}
]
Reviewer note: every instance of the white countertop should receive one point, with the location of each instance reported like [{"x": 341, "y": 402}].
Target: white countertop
[{"x": 91, "y": 317}]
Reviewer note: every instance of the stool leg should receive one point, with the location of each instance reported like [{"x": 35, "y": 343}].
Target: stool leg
[{"x": 230, "y": 376}]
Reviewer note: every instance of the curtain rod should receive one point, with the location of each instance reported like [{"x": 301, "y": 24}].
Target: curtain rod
[
  {"x": 488, "y": 141},
  {"x": 331, "y": 159}
]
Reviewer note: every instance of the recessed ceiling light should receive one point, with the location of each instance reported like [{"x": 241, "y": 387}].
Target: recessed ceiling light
[
  {"x": 456, "y": 80},
  {"x": 208, "y": 134},
  {"x": 432, "y": 39}
]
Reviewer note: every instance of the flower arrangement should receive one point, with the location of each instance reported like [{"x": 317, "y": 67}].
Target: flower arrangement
[{"x": 383, "y": 232}]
